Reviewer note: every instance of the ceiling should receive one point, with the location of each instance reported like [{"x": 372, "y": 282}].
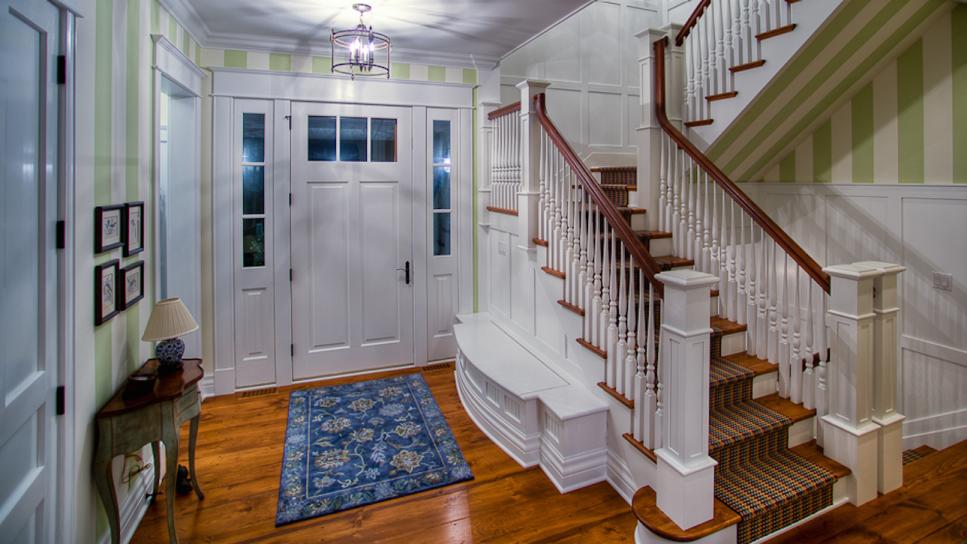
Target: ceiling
[{"x": 437, "y": 31}]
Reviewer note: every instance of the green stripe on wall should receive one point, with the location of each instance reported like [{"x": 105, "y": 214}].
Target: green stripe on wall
[
  {"x": 132, "y": 142},
  {"x": 400, "y": 70},
  {"x": 959, "y": 76},
  {"x": 235, "y": 59},
  {"x": 470, "y": 76},
  {"x": 787, "y": 167},
  {"x": 910, "y": 113},
  {"x": 823, "y": 153},
  {"x": 172, "y": 30},
  {"x": 280, "y": 62},
  {"x": 155, "y": 17},
  {"x": 436, "y": 73},
  {"x": 322, "y": 65},
  {"x": 861, "y": 114},
  {"x": 860, "y": 68},
  {"x": 186, "y": 43},
  {"x": 103, "y": 50}
]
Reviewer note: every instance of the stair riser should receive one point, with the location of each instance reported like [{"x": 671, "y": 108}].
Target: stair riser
[
  {"x": 733, "y": 343},
  {"x": 765, "y": 384},
  {"x": 661, "y": 246},
  {"x": 801, "y": 431}
]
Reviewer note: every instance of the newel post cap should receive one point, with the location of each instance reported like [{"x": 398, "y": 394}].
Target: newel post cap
[
  {"x": 884, "y": 268},
  {"x": 855, "y": 271},
  {"x": 686, "y": 279}
]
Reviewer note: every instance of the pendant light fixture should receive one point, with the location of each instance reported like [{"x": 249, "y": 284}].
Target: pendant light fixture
[{"x": 360, "y": 51}]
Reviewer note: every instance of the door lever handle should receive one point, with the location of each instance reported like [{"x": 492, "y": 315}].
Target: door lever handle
[{"x": 406, "y": 272}]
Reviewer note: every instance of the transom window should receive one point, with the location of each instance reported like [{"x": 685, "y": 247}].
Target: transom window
[{"x": 352, "y": 139}]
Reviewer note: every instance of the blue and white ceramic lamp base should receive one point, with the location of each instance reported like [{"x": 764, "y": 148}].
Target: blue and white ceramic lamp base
[{"x": 169, "y": 353}]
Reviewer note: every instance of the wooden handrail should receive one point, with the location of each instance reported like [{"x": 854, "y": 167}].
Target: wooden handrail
[
  {"x": 692, "y": 21},
  {"x": 618, "y": 223},
  {"x": 504, "y": 110},
  {"x": 765, "y": 222}
]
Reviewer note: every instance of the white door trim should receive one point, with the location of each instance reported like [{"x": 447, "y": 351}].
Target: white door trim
[{"x": 229, "y": 84}]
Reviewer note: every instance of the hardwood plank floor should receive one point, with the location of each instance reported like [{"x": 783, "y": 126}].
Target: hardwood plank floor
[
  {"x": 239, "y": 459},
  {"x": 930, "y": 507}
]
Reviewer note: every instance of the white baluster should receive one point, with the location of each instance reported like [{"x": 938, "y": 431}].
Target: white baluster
[
  {"x": 689, "y": 78},
  {"x": 605, "y": 318},
  {"x": 795, "y": 361},
  {"x": 747, "y": 34},
  {"x": 751, "y": 290},
  {"x": 631, "y": 345},
  {"x": 572, "y": 274},
  {"x": 611, "y": 347},
  {"x": 595, "y": 314},
  {"x": 648, "y": 430},
  {"x": 714, "y": 266},
  {"x": 762, "y": 286},
  {"x": 640, "y": 381},
  {"x": 772, "y": 347},
  {"x": 741, "y": 303},
  {"x": 583, "y": 294},
  {"x": 690, "y": 236},
  {"x": 809, "y": 385},
  {"x": 621, "y": 347},
  {"x": 784, "y": 366},
  {"x": 822, "y": 394}
]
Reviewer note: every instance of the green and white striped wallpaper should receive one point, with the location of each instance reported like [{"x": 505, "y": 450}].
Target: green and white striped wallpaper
[
  {"x": 313, "y": 64},
  {"x": 908, "y": 125}
]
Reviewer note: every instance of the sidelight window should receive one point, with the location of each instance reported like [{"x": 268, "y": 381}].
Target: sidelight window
[
  {"x": 442, "y": 206},
  {"x": 253, "y": 190}
]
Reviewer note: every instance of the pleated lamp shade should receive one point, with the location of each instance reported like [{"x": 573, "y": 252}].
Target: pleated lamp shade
[{"x": 169, "y": 319}]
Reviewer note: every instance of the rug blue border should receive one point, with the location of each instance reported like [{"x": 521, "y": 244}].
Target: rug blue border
[{"x": 456, "y": 469}]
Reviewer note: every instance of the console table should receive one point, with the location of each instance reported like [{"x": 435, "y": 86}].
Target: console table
[{"x": 126, "y": 423}]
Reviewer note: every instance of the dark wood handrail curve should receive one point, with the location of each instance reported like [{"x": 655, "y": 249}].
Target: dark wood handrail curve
[
  {"x": 618, "y": 223},
  {"x": 765, "y": 222},
  {"x": 692, "y": 21},
  {"x": 504, "y": 110}
]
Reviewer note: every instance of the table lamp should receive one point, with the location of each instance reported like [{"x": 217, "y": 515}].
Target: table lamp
[{"x": 169, "y": 320}]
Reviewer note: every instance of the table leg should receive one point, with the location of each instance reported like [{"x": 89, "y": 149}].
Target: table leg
[
  {"x": 192, "y": 440},
  {"x": 156, "y": 453},
  {"x": 171, "y": 477},
  {"x": 104, "y": 480}
]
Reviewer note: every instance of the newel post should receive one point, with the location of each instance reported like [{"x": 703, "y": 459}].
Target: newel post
[
  {"x": 528, "y": 215},
  {"x": 686, "y": 473},
  {"x": 850, "y": 434},
  {"x": 649, "y": 132},
  {"x": 886, "y": 309}
]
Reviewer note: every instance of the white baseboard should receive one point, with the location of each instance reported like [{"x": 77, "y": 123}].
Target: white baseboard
[
  {"x": 207, "y": 387},
  {"x": 619, "y": 476}
]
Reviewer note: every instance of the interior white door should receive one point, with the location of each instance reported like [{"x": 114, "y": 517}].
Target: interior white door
[
  {"x": 28, "y": 269},
  {"x": 352, "y": 296}
]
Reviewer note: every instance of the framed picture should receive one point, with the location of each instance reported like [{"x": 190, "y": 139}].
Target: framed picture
[
  {"x": 107, "y": 228},
  {"x": 132, "y": 285},
  {"x": 132, "y": 225},
  {"x": 105, "y": 291}
]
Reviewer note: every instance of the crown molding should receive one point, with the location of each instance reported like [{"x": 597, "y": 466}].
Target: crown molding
[{"x": 188, "y": 17}]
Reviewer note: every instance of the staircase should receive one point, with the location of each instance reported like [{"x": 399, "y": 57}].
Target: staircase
[{"x": 739, "y": 386}]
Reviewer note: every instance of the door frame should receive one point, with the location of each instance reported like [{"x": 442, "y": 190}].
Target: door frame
[{"x": 282, "y": 89}]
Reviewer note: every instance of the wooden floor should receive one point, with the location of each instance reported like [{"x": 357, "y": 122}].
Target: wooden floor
[
  {"x": 930, "y": 507},
  {"x": 239, "y": 460}
]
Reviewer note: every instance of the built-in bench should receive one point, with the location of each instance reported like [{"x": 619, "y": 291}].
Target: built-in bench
[{"x": 529, "y": 409}]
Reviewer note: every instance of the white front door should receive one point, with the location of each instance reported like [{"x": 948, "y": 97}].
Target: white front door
[
  {"x": 29, "y": 31},
  {"x": 352, "y": 196}
]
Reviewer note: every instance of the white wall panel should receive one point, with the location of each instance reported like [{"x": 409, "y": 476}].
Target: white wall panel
[
  {"x": 601, "y": 43},
  {"x": 608, "y": 117},
  {"x": 561, "y": 105}
]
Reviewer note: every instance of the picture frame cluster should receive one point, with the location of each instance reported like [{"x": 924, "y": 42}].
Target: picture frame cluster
[{"x": 118, "y": 288}]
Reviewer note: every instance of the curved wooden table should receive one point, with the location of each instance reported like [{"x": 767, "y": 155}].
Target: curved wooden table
[{"x": 126, "y": 424}]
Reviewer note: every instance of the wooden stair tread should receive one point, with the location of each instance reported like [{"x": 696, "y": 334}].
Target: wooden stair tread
[
  {"x": 504, "y": 211},
  {"x": 699, "y": 123},
  {"x": 812, "y": 452},
  {"x": 632, "y": 210},
  {"x": 721, "y": 96},
  {"x": 645, "y": 506},
  {"x": 747, "y": 66},
  {"x": 575, "y": 309},
  {"x": 646, "y": 451},
  {"x": 652, "y": 234},
  {"x": 775, "y": 32},
  {"x": 667, "y": 262},
  {"x": 795, "y": 412},
  {"x": 539, "y": 242},
  {"x": 722, "y": 326},
  {"x": 597, "y": 351},
  {"x": 614, "y": 168},
  {"x": 753, "y": 363},
  {"x": 924, "y": 450},
  {"x": 616, "y": 395},
  {"x": 551, "y": 271}
]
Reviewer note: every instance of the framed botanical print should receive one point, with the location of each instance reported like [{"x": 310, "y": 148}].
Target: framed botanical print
[
  {"x": 107, "y": 228},
  {"x": 105, "y": 291},
  {"x": 132, "y": 225},
  {"x": 132, "y": 285}
]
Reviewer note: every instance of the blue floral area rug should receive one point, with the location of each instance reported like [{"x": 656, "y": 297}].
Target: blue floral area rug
[{"x": 359, "y": 443}]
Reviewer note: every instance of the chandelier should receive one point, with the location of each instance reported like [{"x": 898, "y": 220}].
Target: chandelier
[{"x": 358, "y": 49}]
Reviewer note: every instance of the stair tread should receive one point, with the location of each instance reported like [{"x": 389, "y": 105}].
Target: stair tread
[
  {"x": 775, "y": 32},
  {"x": 644, "y": 450},
  {"x": 573, "y": 308},
  {"x": 645, "y": 506},
  {"x": 616, "y": 395},
  {"x": 632, "y": 168},
  {"x": 590, "y": 347},
  {"x": 785, "y": 407},
  {"x": 747, "y": 66},
  {"x": 812, "y": 452},
  {"x": 633, "y": 210},
  {"x": 753, "y": 363},
  {"x": 723, "y": 326},
  {"x": 925, "y": 450},
  {"x": 721, "y": 96},
  {"x": 671, "y": 261},
  {"x": 772, "y": 481},
  {"x": 653, "y": 234},
  {"x": 551, "y": 271},
  {"x": 699, "y": 122},
  {"x": 741, "y": 421}
]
